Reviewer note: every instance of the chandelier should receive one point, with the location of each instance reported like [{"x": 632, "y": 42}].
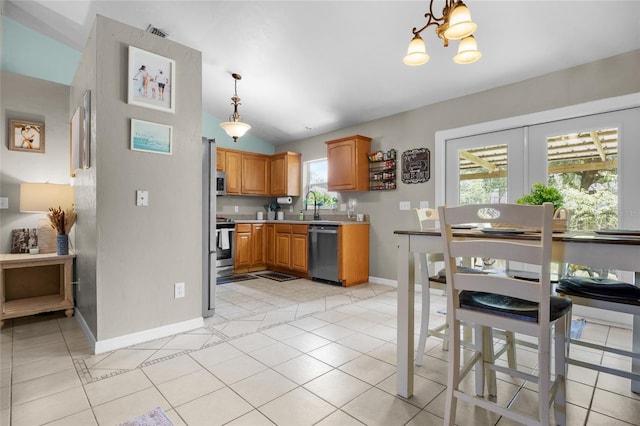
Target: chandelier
[
  {"x": 235, "y": 127},
  {"x": 454, "y": 24}
]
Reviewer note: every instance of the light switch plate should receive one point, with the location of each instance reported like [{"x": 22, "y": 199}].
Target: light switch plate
[
  {"x": 4, "y": 203},
  {"x": 405, "y": 205},
  {"x": 142, "y": 198},
  {"x": 178, "y": 290},
  {"x": 424, "y": 204}
]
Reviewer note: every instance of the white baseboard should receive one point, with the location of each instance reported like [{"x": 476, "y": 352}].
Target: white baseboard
[
  {"x": 107, "y": 345},
  {"x": 378, "y": 280}
]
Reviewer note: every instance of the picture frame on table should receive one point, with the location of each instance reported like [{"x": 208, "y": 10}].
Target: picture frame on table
[
  {"x": 151, "y": 137},
  {"x": 151, "y": 80},
  {"x": 26, "y": 136}
]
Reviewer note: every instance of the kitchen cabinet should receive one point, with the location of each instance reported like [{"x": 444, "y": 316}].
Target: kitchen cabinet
[
  {"x": 249, "y": 248},
  {"x": 233, "y": 168},
  {"x": 220, "y": 159},
  {"x": 251, "y": 173},
  {"x": 291, "y": 248},
  {"x": 285, "y": 174},
  {"x": 255, "y": 174},
  {"x": 270, "y": 244},
  {"x": 348, "y": 163},
  {"x": 353, "y": 254}
]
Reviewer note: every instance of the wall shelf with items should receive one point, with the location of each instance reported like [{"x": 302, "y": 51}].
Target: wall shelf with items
[{"x": 382, "y": 170}]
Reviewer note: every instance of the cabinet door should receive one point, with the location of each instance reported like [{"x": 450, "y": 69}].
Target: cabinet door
[
  {"x": 299, "y": 252},
  {"x": 243, "y": 250},
  {"x": 255, "y": 174},
  {"x": 285, "y": 174},
  {"x": 283, "y": 249},
  {"x": 220, "y": 159},
  {"x": 233, "y": 167},
  {"x": 270, "y": 243},
  {"x": 348, "y": 164},
  {"x": 258, "y": 243}
]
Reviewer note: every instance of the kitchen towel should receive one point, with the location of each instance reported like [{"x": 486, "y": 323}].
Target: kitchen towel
[
  {"x": 223, "y": 239},
  {"x": 285, "y": 200}
]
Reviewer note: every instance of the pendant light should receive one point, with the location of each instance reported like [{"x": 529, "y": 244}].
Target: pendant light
[{"x": 235, "y": 127}]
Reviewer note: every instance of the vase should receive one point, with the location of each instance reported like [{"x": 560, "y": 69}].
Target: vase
[{"x": 63, "y": 245}]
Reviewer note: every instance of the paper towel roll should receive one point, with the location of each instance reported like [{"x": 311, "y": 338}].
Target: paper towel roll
[{"x": 285, "y": 200}]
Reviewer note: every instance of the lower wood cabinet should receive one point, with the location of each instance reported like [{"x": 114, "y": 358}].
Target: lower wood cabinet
[
  {"x": 290, "y": 248},
  {"x": 249, "y": 248},
  {"x": 353, "y": 254}
]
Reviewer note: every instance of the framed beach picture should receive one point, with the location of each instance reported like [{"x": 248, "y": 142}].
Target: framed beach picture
[
  {"x": 26, "y": 136},
  {"x": 151, "y": 80},
  {"x": 150, "y": 137},
  {"x": 75, "y": 130}
]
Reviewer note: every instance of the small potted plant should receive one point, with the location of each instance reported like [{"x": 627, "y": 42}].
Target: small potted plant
[
  {"x": 62, "y": 221},
  {"x": 540, "y": 194}
]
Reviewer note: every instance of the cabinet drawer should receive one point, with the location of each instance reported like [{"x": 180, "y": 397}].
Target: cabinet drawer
[
  {"x": 243, "y": 227},
  {"x": 299, "y": 229},
  {"x": 283, "y": 228}
]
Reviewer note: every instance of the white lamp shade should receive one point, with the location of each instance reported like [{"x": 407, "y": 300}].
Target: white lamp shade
[
  {"x": 468, "y": 51},
  {"x": 39, "y": 197},
  {"x": 235, "y": 129},
  {"x": 416, "y": 53},
  {"x": 460, "y": 23}
]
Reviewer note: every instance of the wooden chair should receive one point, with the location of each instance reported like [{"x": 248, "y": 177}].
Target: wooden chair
[{"x": 506, "y": 303}]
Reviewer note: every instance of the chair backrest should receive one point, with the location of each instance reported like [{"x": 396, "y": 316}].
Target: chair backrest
[
  {"x": 425, "y": 215},
  {"x": 532, "y": 249}
]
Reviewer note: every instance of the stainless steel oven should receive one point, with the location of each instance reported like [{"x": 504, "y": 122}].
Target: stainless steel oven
[{"x": 225, "y": 239}]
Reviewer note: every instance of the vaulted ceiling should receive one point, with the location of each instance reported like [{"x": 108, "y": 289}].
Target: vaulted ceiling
[{"x": 310, "y": 67}]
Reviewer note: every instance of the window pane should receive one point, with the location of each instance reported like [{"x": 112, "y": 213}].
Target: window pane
[
  {"x": 315, "y": 180},
  {"x": 483, "y": 175},
  {"x": 584, "y": 167}
]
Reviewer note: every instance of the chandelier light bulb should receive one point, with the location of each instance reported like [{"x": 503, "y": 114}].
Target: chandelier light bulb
[
  {"x": 460, "y": 23},
  {"x": 468, "y": 52},
  {"x": 416, "y": 53}
]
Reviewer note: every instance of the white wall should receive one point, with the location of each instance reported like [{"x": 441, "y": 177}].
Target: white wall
[
  {"x": 610, "y": 77},
  {"x": 129, "y": 257}
]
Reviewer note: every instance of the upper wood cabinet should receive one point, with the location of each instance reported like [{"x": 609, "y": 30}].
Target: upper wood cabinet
[
  {"x": 348, "y": 163},
  {"x": 251, "y": 173},
  {"x": 285, "y": 174},
  {"x": 255, "y": 174}
]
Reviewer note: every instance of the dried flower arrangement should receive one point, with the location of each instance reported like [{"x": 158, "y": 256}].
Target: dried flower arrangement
[{"x": 62, "y": 221}]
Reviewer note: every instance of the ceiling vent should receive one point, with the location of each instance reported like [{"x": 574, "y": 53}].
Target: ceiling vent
[{"x": 157, "y": 31}]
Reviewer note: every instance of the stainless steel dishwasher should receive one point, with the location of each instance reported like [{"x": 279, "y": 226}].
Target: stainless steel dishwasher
[{"x": 323, "y": 253}]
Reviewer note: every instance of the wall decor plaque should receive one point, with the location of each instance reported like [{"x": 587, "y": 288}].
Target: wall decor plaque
[{"x": 416, "y": 165}]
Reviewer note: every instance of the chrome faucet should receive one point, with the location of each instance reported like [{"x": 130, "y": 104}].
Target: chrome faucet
[{"x": 316, "y": 213}]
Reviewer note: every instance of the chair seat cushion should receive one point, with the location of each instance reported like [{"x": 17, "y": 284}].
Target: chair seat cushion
[
  {"x": 601, "y": 289},
  {"x": 512, "y": 307}
]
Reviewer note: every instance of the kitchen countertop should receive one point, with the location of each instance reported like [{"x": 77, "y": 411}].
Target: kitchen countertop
[{"x": 303, "y": 222}]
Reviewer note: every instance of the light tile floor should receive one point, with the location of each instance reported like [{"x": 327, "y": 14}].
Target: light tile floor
[{"x": 291, "y": 353}]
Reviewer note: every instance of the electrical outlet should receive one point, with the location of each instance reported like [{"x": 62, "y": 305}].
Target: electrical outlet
[
  {"x": 4, "y": 203},
  {"x": 236, "y": 209},
  {"x": 343, "y": 207},
  {"x": 178, "y": 290},
  {"x": 424, "y": 204},
  {"x": 405, "y": 205},
  {"x": 142, "y": 198}
]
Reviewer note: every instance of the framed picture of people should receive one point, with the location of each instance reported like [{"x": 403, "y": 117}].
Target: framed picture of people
[
  {"x": 151, "y": 80},
  {"x": 26, "y": 136}
]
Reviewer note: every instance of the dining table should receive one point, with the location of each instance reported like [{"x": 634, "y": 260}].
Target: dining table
[{"x": 610, "y": 251}]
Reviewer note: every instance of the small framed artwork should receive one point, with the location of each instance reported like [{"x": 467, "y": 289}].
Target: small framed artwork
[
  {"x": 150, "y": 137},
  {"x": 75, "y": 130},
  {"x": 26, "y": 136},
  {"x": 151, "y": 80}
]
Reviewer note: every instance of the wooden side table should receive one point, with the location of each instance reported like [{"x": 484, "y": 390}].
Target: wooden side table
[{"x": 35, "y": 283}]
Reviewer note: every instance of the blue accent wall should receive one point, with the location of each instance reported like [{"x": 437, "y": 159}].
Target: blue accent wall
[{"x": 28, "y": 52}]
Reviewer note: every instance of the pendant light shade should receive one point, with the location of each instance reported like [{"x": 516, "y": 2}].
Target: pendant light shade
[
  {"x": 460, "y": 23},
  {"x": 235, "y": 127},
  {"x": 416, "y": 53},
  {"x": 468, "y": 51}
]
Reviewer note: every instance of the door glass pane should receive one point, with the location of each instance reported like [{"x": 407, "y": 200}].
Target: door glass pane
[
  {"x": 584, "y": 167},
  {"x": 483, "y": 175}
]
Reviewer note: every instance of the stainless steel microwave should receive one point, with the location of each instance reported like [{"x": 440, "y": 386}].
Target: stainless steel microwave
[{"x": 221, "y": 183}]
